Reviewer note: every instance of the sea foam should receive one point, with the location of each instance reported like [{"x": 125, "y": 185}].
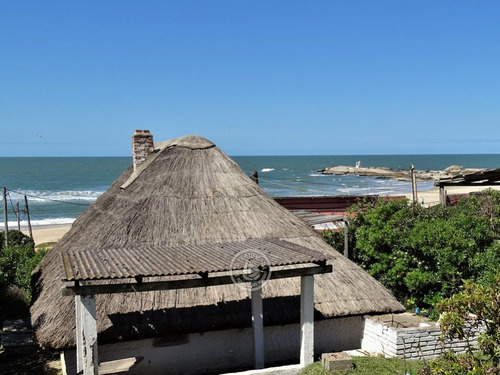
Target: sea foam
[
  {"x": 41, "y": 222},
  {"x": 68, "y": 195}
]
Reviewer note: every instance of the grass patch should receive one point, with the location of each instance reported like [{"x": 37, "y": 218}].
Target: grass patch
[
  {"x": 370, "y": 366},
  {"x": 45, "y": 246}
]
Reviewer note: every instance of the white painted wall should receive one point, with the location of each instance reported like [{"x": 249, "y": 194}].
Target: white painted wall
[{"x": 228, "y": 350}]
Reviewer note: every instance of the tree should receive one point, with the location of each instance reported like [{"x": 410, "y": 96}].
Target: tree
[
  {"x": 476, "y": 307},
  {"x": 16, "y": 238},
  {"x": 423, "y": 254}
]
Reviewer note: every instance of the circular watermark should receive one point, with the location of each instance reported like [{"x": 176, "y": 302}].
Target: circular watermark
[{"x": 250, "y": 269}]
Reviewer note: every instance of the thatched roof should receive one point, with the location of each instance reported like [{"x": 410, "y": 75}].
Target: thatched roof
[{"x": 190, "y": 192}]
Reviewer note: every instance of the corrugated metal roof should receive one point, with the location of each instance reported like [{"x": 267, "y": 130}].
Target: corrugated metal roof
[
  {"x": 486, "y": 177},
  {"x": 150, "y": 260},
  {"x": 314, "y": 218}
]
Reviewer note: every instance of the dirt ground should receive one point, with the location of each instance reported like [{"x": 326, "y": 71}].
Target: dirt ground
[{"x": 30, "y": 362}]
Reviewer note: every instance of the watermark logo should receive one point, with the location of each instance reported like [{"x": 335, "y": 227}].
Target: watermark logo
[{"x": 250, "y": 269}]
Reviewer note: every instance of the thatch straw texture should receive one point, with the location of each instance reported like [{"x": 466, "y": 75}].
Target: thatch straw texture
[{"x": 192, "y": 194}]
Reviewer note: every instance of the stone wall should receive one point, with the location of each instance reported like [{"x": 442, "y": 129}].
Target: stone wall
[{"x": 420, "y": 342}]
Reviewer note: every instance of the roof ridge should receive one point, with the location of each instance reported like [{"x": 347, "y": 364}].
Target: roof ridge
[{"x": 192, "y": 142}]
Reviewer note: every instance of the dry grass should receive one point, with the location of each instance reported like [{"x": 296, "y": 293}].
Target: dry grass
[{"x": 45, "y": 246}]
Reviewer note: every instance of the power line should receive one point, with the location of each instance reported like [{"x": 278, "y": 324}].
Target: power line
[
  {"x": 47, "y": 199},
  {"x": 12, "y": 205}
]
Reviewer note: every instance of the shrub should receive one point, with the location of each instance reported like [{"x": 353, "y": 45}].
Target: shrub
[
  {"x": 451, "y": 364},
  {"x": 483, "y": 302},
  {"x": 16, "y": 238},
  {"x": 14, "y": 303},
  {"x": 16, "y": 265},
  {"x": 423, "y": 254}
]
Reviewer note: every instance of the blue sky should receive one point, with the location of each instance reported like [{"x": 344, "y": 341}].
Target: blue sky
[{"x": 255, "y": 77}]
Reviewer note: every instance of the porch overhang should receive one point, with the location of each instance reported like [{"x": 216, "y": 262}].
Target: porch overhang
[{"x": 190, "y": 266}]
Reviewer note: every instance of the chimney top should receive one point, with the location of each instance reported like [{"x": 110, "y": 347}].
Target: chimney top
[{"x": 142, "y": 146}]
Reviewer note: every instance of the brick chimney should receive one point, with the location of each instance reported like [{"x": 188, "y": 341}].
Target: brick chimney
[{"x": 142, "y": 146}]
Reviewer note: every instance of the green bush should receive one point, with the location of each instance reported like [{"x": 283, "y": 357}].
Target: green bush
[
  {"x": 16, "y": 265},
  {"x": 451, "y": 364},
  {"x": 483, "y": 302},
  {"x": 16, "y": 238},
  {"x": 423, "y": 254}
]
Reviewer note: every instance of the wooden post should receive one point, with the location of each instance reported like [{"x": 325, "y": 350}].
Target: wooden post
[
  {"x": 414, "y": 184},
  {"x": 5, "y": 217},
  {"x": 306, "y": 320},
  {"x": 28, "y": 215},
  {"x": 258, "y": 325},
  {"x": 255, "y": 176},
  {"x": 442, "y": 196},
  {"x": 18, "y": 217},
  {"x": 86, "y": 345},
  {"x": 346, "y": 238}
]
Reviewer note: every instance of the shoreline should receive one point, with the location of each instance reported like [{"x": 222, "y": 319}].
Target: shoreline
[
  {"x": 431, "y": 197},
  {"x": 49, "y": 233}
]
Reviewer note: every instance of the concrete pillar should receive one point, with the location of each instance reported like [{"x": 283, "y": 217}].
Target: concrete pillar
[
  {"x": 79, "y": 338},
  {"x": 86, "y": 345},
  {"x": 258, "y": 325},
  {"x": 306, "y": 320}
]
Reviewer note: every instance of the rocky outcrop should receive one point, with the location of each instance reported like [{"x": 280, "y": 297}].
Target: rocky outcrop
[{"x": 397, "y": 174}]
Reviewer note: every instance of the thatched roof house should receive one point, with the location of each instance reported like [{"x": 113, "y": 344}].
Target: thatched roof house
[{"x": 189, "y": 192}]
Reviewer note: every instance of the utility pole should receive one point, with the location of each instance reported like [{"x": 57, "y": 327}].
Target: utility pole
[
  {"x": 5, "y": 216},
  {"x": 18, "y": 214},
  {"x": 414, "y": 184},
  {"x": 28, "y": 215},
  {"x": 255, "y": 176},
  {"x": 346, "y": 238}
]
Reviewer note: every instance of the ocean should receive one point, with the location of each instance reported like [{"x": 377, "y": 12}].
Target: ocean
[{"x": 60, "y": 189}]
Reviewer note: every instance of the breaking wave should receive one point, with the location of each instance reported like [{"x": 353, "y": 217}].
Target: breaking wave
[
  {"x": 41, "y": 222},
  {"x": 66, "y": 196}
]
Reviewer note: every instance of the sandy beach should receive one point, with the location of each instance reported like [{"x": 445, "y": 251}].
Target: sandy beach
[
  {"x": 431, "y": 197},
  {"x": 47, "y": 233}
]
